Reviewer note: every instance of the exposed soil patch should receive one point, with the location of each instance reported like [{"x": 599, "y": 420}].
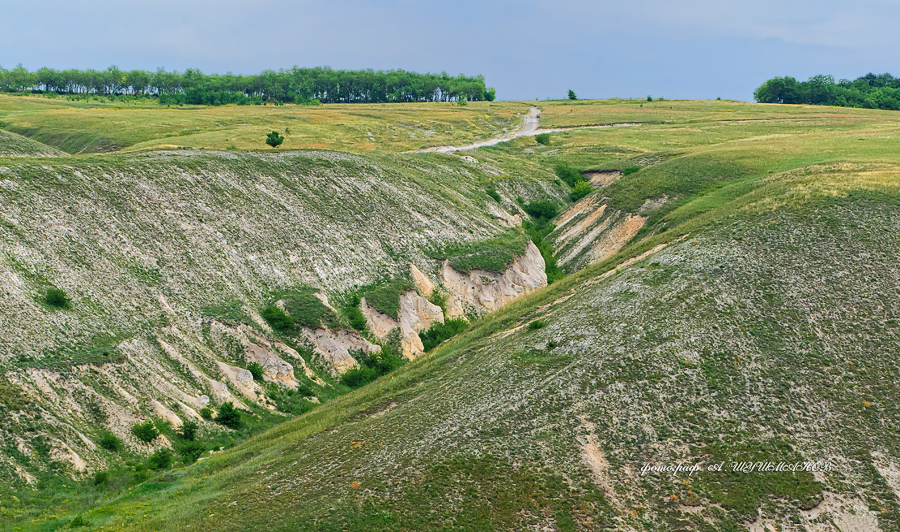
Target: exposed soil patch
[{"x": 602, "y": 178}]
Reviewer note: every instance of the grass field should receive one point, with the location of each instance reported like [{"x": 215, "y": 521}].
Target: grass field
[
  {"x": 763, "y": 327},
  {"x": 86, "y": 127}
]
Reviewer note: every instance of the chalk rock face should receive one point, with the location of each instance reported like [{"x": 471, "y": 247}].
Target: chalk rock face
[
  {"x": 378, "y": 323},
  {"x": 415, "y": 314},
  {"x": 333, "y": 347},
  {"x": 161, "y": 411},
  {"x": 223, "y": 395},
  {"x": 241, "y": 379},
  {"x": 256, "y": 348},
  {"x": 274, "y": 367},
  {"x": 505, "y": 218},
  {"x": 485, "y": 291},
  {"x": 423, "y": 284}
]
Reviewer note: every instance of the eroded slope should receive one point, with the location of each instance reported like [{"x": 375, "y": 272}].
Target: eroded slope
[{"x": 772, "y": 338}]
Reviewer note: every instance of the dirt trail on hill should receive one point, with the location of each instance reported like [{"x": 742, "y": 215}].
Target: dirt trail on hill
[{"x": 530, "y": 128}]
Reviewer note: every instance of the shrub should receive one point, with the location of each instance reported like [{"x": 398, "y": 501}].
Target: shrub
[
  {"x": 161, "y": 459},
  {"x": 383, "y": 362},
  {"x": 541, "y": 210},
  {"x": 56, "y": 298},
  {"x": 572, "y": 95},
  {"x": 442, "y": 331},
  {"x": 537, "y": 324},
  {"x": 146, "y": 431},
  {"x": 538, "y": 233},
  {"x": 79, "y": 522},
  {"x": 188, "y": 431},
  {"x": 649, "y": 98},
  {"x": 305, "y": 391},
  {"x": 630, "y": 170},
  {"x": 493, "y": 194},
  {"x": 276, "y": 318},
  {"x": 206, "y": 413},
  {"x": 568, "y": 174},
  {"x": 274, "y": 139},
  {"x": 109, "y": 441},
  {"x": 190, "y": 451},
  {"x": 101, "y": 478},
  {"x": 353, "y": 314},
  {"x": 358, "y": 377},
  {"x": 228, "y": 416},
  {"x": 439, "y": 298},
  {"x": 543, "y": 138},
  {"x": 256, "y": 369},
  {"x": 580, "y": 190}
]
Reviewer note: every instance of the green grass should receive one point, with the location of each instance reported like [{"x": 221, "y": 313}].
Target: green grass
[
  {"x": 493, "y": 255},
  {"x": 440, "y": 332},
  {"x": 98, "y": 127},
  {"x": 385, "y": 297},
  {"x": 12, "y": 145},
  {"x": 305, "y": 308}
]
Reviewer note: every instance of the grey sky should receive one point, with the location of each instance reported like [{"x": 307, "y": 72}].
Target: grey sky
[{"x": 526, "y": 49}]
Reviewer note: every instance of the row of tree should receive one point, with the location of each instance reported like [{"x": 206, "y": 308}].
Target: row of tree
[
  {"x": 298, "y": 85},
  {"x": 871, "y": 91}
]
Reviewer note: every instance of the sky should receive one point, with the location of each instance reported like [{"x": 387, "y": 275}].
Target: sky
[{"x": 526, "y": 49}]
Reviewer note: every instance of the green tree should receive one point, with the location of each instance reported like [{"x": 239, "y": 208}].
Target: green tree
[
  {"x": 109, "y": 441},
  {"x": 572, "y": 95},
  {"x": 274, "y": 139},
  {"x": 228, "y": 416},
  {"x": 276, "y": 318},
  {"x": 161, "y": 459},
  {"x": 580, "y": 190},
  {"x": 56, "y": 298},
  {"x": 188, "y": 431},
  {"x": 257, "y": 370},
  {"x": 146, "y": 431}
]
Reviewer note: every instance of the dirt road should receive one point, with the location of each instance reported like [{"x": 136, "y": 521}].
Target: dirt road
[{"x": 530, "y": 128}]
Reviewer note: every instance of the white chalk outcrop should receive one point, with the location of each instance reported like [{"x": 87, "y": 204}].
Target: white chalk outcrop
[
  {"x": 475, "y": 292},
  {"x": 482, "y": 291},
  {"x": 415, "y": 314},
  {"x": 333, "y": 347},
  {"x": 257, "y": 348}
]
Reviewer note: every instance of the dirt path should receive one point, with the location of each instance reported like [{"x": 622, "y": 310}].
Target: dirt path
[{"x": 530, "y": 128}]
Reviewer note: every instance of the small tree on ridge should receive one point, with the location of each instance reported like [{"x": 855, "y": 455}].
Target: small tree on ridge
[{"x": 274, "y": 139}]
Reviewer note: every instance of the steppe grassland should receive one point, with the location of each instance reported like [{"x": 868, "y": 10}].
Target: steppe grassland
[{"x": 84, "y": 127}]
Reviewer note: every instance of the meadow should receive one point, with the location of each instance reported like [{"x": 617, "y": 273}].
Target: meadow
[{"x": 102, "y": 126}]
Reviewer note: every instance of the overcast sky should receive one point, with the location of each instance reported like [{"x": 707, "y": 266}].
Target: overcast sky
[{"x": 526, "y": 49}]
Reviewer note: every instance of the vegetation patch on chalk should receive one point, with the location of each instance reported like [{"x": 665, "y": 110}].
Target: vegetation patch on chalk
[
  {"x": 386, "y": 297},
  {"x": 493, "y": 255}
]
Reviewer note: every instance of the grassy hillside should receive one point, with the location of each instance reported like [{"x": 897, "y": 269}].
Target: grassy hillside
[
  {"x": 753, "y": 317},
  {"x": 90, "y": 127},
  {"x": 12, "y": 145}
]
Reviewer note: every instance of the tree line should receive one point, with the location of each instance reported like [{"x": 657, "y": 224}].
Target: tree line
[
  {"x": 296, "y": 85},
  {"x": 871, "y": 91}
]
